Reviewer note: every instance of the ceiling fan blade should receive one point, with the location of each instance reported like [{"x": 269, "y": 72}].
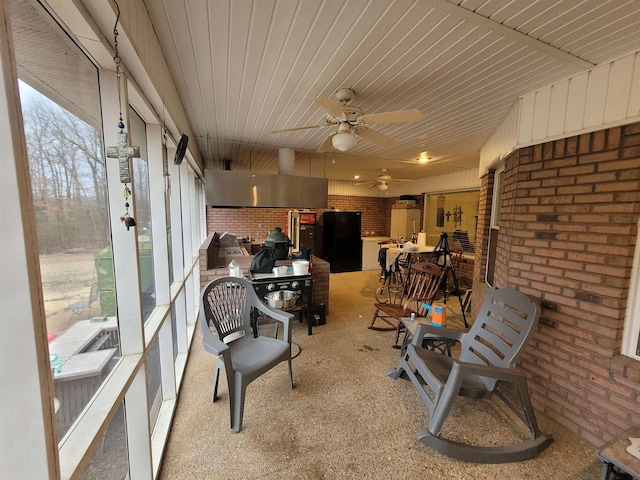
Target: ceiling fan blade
[
  {"x": 296, "y": 128},
  {"x": 398, "y": 116},
  {"x": 330, "y": 106},
  {"x": 326, "y": 146},
  {"x": 376, "y": 137}
]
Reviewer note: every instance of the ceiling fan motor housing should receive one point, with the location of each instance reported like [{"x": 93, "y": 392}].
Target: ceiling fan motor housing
[{"x": 344, "y": 95}]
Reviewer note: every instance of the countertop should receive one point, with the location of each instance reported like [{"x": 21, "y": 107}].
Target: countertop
[
  {"x": 375, "y": 239},
  {"x": 221, "y": 267}
]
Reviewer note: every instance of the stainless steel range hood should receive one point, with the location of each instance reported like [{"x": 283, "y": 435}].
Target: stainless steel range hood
[{"x": 226, "y": 188}]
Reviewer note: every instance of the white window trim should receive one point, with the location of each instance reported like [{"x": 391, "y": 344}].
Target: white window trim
[
  {"x": 493, "y": 223},
  {"x": 631, "y": 335}
]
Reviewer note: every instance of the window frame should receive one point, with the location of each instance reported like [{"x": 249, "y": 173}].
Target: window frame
[
  {"x": 494, "y": 225},
  {"x": 631, "y": 333}
]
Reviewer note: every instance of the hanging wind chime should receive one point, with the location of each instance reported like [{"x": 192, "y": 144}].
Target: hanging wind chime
[
  {"x": 123, "y": 152},
  {"x": 165, "y": 161}
]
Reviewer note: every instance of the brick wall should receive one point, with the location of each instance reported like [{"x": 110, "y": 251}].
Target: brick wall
[
  {"x": 569, "y": 215},
  {"x": 376, "y": 212},
  {"x": 482, "y": 241},
  {"x": 257, "y": 222}
]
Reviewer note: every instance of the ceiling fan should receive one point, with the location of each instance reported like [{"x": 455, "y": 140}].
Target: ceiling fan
[
  {"x": 352, "y": 122},
  {"x": 383, "y": 180}
]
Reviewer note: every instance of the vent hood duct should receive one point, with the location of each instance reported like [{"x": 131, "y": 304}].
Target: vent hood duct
[{"x": 245, "y": 189}]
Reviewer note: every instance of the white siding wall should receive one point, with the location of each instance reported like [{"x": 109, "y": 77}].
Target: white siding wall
[
  {"x": 450, "y": 182},
  {"x": 504, "y": 138},
  {"x": 605, "y": 96}
]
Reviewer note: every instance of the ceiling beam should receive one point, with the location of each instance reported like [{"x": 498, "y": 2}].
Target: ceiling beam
[{"x": 508, "y": 32}]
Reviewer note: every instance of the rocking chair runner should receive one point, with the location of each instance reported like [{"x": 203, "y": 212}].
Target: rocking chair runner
[
  {"x": 488, "y": 356},
  {"x": 421, "y": 285}
]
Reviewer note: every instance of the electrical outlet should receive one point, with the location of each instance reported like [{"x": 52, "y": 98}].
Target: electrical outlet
[{"x": 259, "y": 225}]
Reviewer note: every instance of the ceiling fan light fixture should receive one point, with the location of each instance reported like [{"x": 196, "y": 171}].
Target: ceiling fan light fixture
[
  {"x": 382, "y": 186},
  {"x": 343, "y": 141}
]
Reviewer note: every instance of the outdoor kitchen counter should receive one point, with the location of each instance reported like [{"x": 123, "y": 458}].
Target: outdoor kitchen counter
[{"x": 213, "y": 266}]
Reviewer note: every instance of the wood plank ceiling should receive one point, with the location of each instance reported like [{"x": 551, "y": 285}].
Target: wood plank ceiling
[{"x": 245, "y": 68}]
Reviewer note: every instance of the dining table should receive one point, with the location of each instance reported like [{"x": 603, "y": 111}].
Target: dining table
[{"x": 397, "y": 252}]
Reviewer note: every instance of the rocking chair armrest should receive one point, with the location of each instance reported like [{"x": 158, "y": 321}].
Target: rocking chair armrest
[
  {"x": 410, "y": 305},
  {"x": 506, "y": 374},
  {"x": 387, "y": 293},
  {"x": 423, "y": 330}
]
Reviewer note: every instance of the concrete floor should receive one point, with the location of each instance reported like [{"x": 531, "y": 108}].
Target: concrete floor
[{"x": 345, "y": 418}]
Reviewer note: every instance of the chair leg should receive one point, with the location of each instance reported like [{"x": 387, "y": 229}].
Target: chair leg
[
  {"x": 232, "y": 382},
  {"x": 443, "y": 402},
  {"x": 215, "y": 385},
  {"x": 290, "y": 373},
  {"x": 399, "y": 328},
  {"x": 238, "y": 406},
  {"x": 395, "y": 373},
  {"x": 381, "y": 329}
]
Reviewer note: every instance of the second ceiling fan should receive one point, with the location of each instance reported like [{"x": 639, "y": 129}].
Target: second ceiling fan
[
  {"x": 383, "y": 180},
  {"x": 352, "y": 122}
]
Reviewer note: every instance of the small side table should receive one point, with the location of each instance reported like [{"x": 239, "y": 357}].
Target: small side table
[
  {"x": 432, "y": 342},
  {"x": 615, "y": 457}
]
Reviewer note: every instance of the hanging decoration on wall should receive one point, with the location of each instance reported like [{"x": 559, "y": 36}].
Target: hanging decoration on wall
[
  {"x": 457, "y": 216},
  {"x": 127, "y": 219},
  {"x": 165, "y": 160},
  {"x": 123, "y": 152}
]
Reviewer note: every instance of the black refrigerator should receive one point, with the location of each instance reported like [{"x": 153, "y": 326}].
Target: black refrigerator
[{"x": 342, "y": 241}]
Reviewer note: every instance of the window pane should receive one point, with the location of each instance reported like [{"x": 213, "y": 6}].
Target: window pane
[
  {"x": 494, "y": 229},
  {"x": 110, "y": 460},
  {"x": 141, "y": 199},
  {"x": 153, "y": 382},
  {"x": 491, "y": 254},
  {"x": 174, "y": 333},
  {"x": 61, "y": 110}
]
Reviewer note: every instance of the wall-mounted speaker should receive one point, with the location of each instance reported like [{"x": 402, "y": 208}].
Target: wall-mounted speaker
[{"x": 181, "y": 149}]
